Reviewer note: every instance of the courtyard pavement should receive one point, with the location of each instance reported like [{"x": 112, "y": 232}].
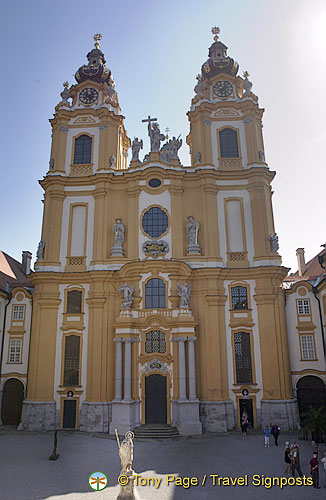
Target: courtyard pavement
[{"x": 27, "y": 474}]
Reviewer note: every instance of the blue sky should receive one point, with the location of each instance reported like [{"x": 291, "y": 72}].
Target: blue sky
[{"x": 154, "y": 50}]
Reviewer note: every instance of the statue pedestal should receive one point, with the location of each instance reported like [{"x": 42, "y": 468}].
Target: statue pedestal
[
  {"x": 134, "y": 163},
  {"x": 117, "y": 252},
  {"x": 127, "y": 492},
  {"x": 154, "y": 156},
  {"x": 194, "y": 249},
  {"x": 185, "y": 311},
  {"x": 125, "y": 313}
]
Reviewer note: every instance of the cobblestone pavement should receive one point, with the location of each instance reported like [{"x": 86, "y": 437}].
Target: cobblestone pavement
[{"x": 27, "y": 474}]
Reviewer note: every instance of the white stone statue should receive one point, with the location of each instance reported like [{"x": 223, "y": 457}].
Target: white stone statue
[
  {"x": 273, "y": 238},
  {"x": 200, "y": 86},
  {"x": 119, "y": 233},
  {"x": 128, "y": 295},
  {"x": 192, "y": 236},
  {"x": 40, "y": 250},
  {"x": 135, "y": 148},
  {"x": 261, "y": 155},
  {"x": 155, "y": 136},
  {"x": 197, "y": 157},
  {"x": 112, "y": 161},
  {"x": 184, "y": 293},
  {"x": 126, "y": 451},
  {"x": 175, "y": 145}
]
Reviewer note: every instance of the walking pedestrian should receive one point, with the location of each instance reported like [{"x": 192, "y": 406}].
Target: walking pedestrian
[
  {"x": 275, "y": 431},
  {"x": 287, "y": 458},
  {"x": 295, "y": 460},
  {"x": 267, "y": 433},
  {"x": 244, "y": 427},
  {"x": 323, "y": 461},
  {"x": 314, "y": 471}
]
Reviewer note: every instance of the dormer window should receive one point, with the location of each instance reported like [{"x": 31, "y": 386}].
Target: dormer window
[
  {"x": 83, "y": 150},
  {"x": 229, "y": 143}
]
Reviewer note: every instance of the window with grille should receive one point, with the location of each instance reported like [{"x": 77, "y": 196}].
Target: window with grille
[
  {"x": 239, "y": 297},
  {"x": 155, "y": 222},
  {"x": 18, "y": 312},
  {"x": 229, "y": 143},
  {"x": 303, "y": 306},
  {"x": 242, "y": 355},
  {"x": 71, "y": 361},
  {"x": 155, "y": 342},
  {"x": 15, "y": 348},
  {"x": 307, "y": 347},
  {"x": 155, "y": 294},
  {"x": 74, "y": 302},
  {"x": 83, "y": 149}
]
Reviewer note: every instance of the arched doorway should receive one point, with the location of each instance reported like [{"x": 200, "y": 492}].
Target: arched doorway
[
  {"x": 12, "y": 401},
  {"x": 310, "y": 392},
  {"x": 155, "y": 399}
]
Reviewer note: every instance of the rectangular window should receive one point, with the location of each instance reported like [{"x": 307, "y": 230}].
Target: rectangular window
[
  {"x": 239, "y": 297},
  {"x": 71, "y": 360},
  {"x": 242, "y": 355},
  {"x": 18, "y": 312},
  {"x": 15, "y": 348},
  {"x": 303, "y": 306},
  {"x": 307, "y": 347}
]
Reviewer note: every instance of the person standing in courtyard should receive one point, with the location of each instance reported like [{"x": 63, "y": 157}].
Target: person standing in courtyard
[
  {"x": 244, "y": 427},
  {"x": 295, "y": 459},
  {"x": 314, "y": 471},
  {"x": 267, "y": 433},
  {"x": 323, "y": 461},
  {"x": 275, "y": 431},
  {"x": 287, "y": 458}
]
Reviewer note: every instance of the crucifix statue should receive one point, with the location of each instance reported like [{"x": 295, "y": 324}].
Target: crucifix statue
[{"x": 154, "y": 133}]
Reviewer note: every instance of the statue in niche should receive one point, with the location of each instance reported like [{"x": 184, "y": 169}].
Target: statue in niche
[
  {"x": 119, "y": 237},
  {"x": 40, "y": 250},
  {"x": 273, "y": 238},
  {"x": 135, "y": 148},
  {"x": 128, "y": 295},
  {"x": 197, "y": 157},
  {"x": 184, "y": 293},
  {"x": 192, "y": 236}
]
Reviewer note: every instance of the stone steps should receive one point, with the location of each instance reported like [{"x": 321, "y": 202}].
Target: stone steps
[{"x": 152, "y": 431}]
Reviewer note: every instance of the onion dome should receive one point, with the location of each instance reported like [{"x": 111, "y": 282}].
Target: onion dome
[
  {"x": 95, "y": 70},
  {"x": 218, "y": 61}
]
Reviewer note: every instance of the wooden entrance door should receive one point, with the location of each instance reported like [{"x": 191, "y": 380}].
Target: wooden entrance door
[
  {"x": 155, "y": 399},
  {"x": 69, "y": 413},
  {"x": 12, "y": 402}
]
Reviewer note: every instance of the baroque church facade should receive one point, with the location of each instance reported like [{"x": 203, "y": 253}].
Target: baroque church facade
[{"x": 157, "y": 296}]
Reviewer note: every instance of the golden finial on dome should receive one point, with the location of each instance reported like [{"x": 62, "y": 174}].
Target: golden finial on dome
[
  {"x": 97, "y": 37},
  {"x": 216, "y": 31}
]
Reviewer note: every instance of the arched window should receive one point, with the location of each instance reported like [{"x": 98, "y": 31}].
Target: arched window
[
  {"x": 155, "y": 342},
  {"x": 242, "y": 354},
  {"x": 155, "y": 294},
  {"x": 239, "y": 297},
  {"x": 229, "y": 143},
  {"x": 71, "y": 361},
  {"x": 83, "y": 149},
  {"x": 74, "y": 302}
]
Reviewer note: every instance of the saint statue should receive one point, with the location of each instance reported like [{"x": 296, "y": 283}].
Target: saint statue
[
  {"x": 192, "y": 231},
  {"x": 175, "y": 145},
  {"x": 126, "y": 451},
  {"x": 135, "y": 148},
  {"x": 40, "y": 250},
  {"x": 184, "y": 293},
  {"x": 119, "y": 237},
  {"x": 128, "y": 295},
  {"x": 273, "y": 238},
  {"x": 155, "y": 136}
]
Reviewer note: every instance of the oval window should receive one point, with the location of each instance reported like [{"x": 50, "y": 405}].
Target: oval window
[
  {"x": 155, "y": 222},
  {"x": 154, "y": 183}
]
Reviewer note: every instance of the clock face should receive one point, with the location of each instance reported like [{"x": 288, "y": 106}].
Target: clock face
[
  {"x": 88, "y": 96},
  {"x": 222, "y": 89}
]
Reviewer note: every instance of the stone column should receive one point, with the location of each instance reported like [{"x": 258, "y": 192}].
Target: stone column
[
  {"x": 192, "y": 369},
  {"x": 182, "y": 369},
  {"x": 127, "y": 380},
  {"x": 118, "y": 370}
]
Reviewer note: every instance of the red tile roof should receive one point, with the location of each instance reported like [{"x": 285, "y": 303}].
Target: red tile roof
[
  {"x": 11, "y": 272},
  {"x": 312, "y": 272}
]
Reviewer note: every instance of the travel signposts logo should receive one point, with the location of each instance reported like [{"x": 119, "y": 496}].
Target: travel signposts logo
[{"x": 97, "y": 481}]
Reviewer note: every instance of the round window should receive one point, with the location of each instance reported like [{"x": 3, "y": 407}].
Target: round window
[
  {"x": 154, "y": 183},
  {"x": 155, "y": 222}
]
